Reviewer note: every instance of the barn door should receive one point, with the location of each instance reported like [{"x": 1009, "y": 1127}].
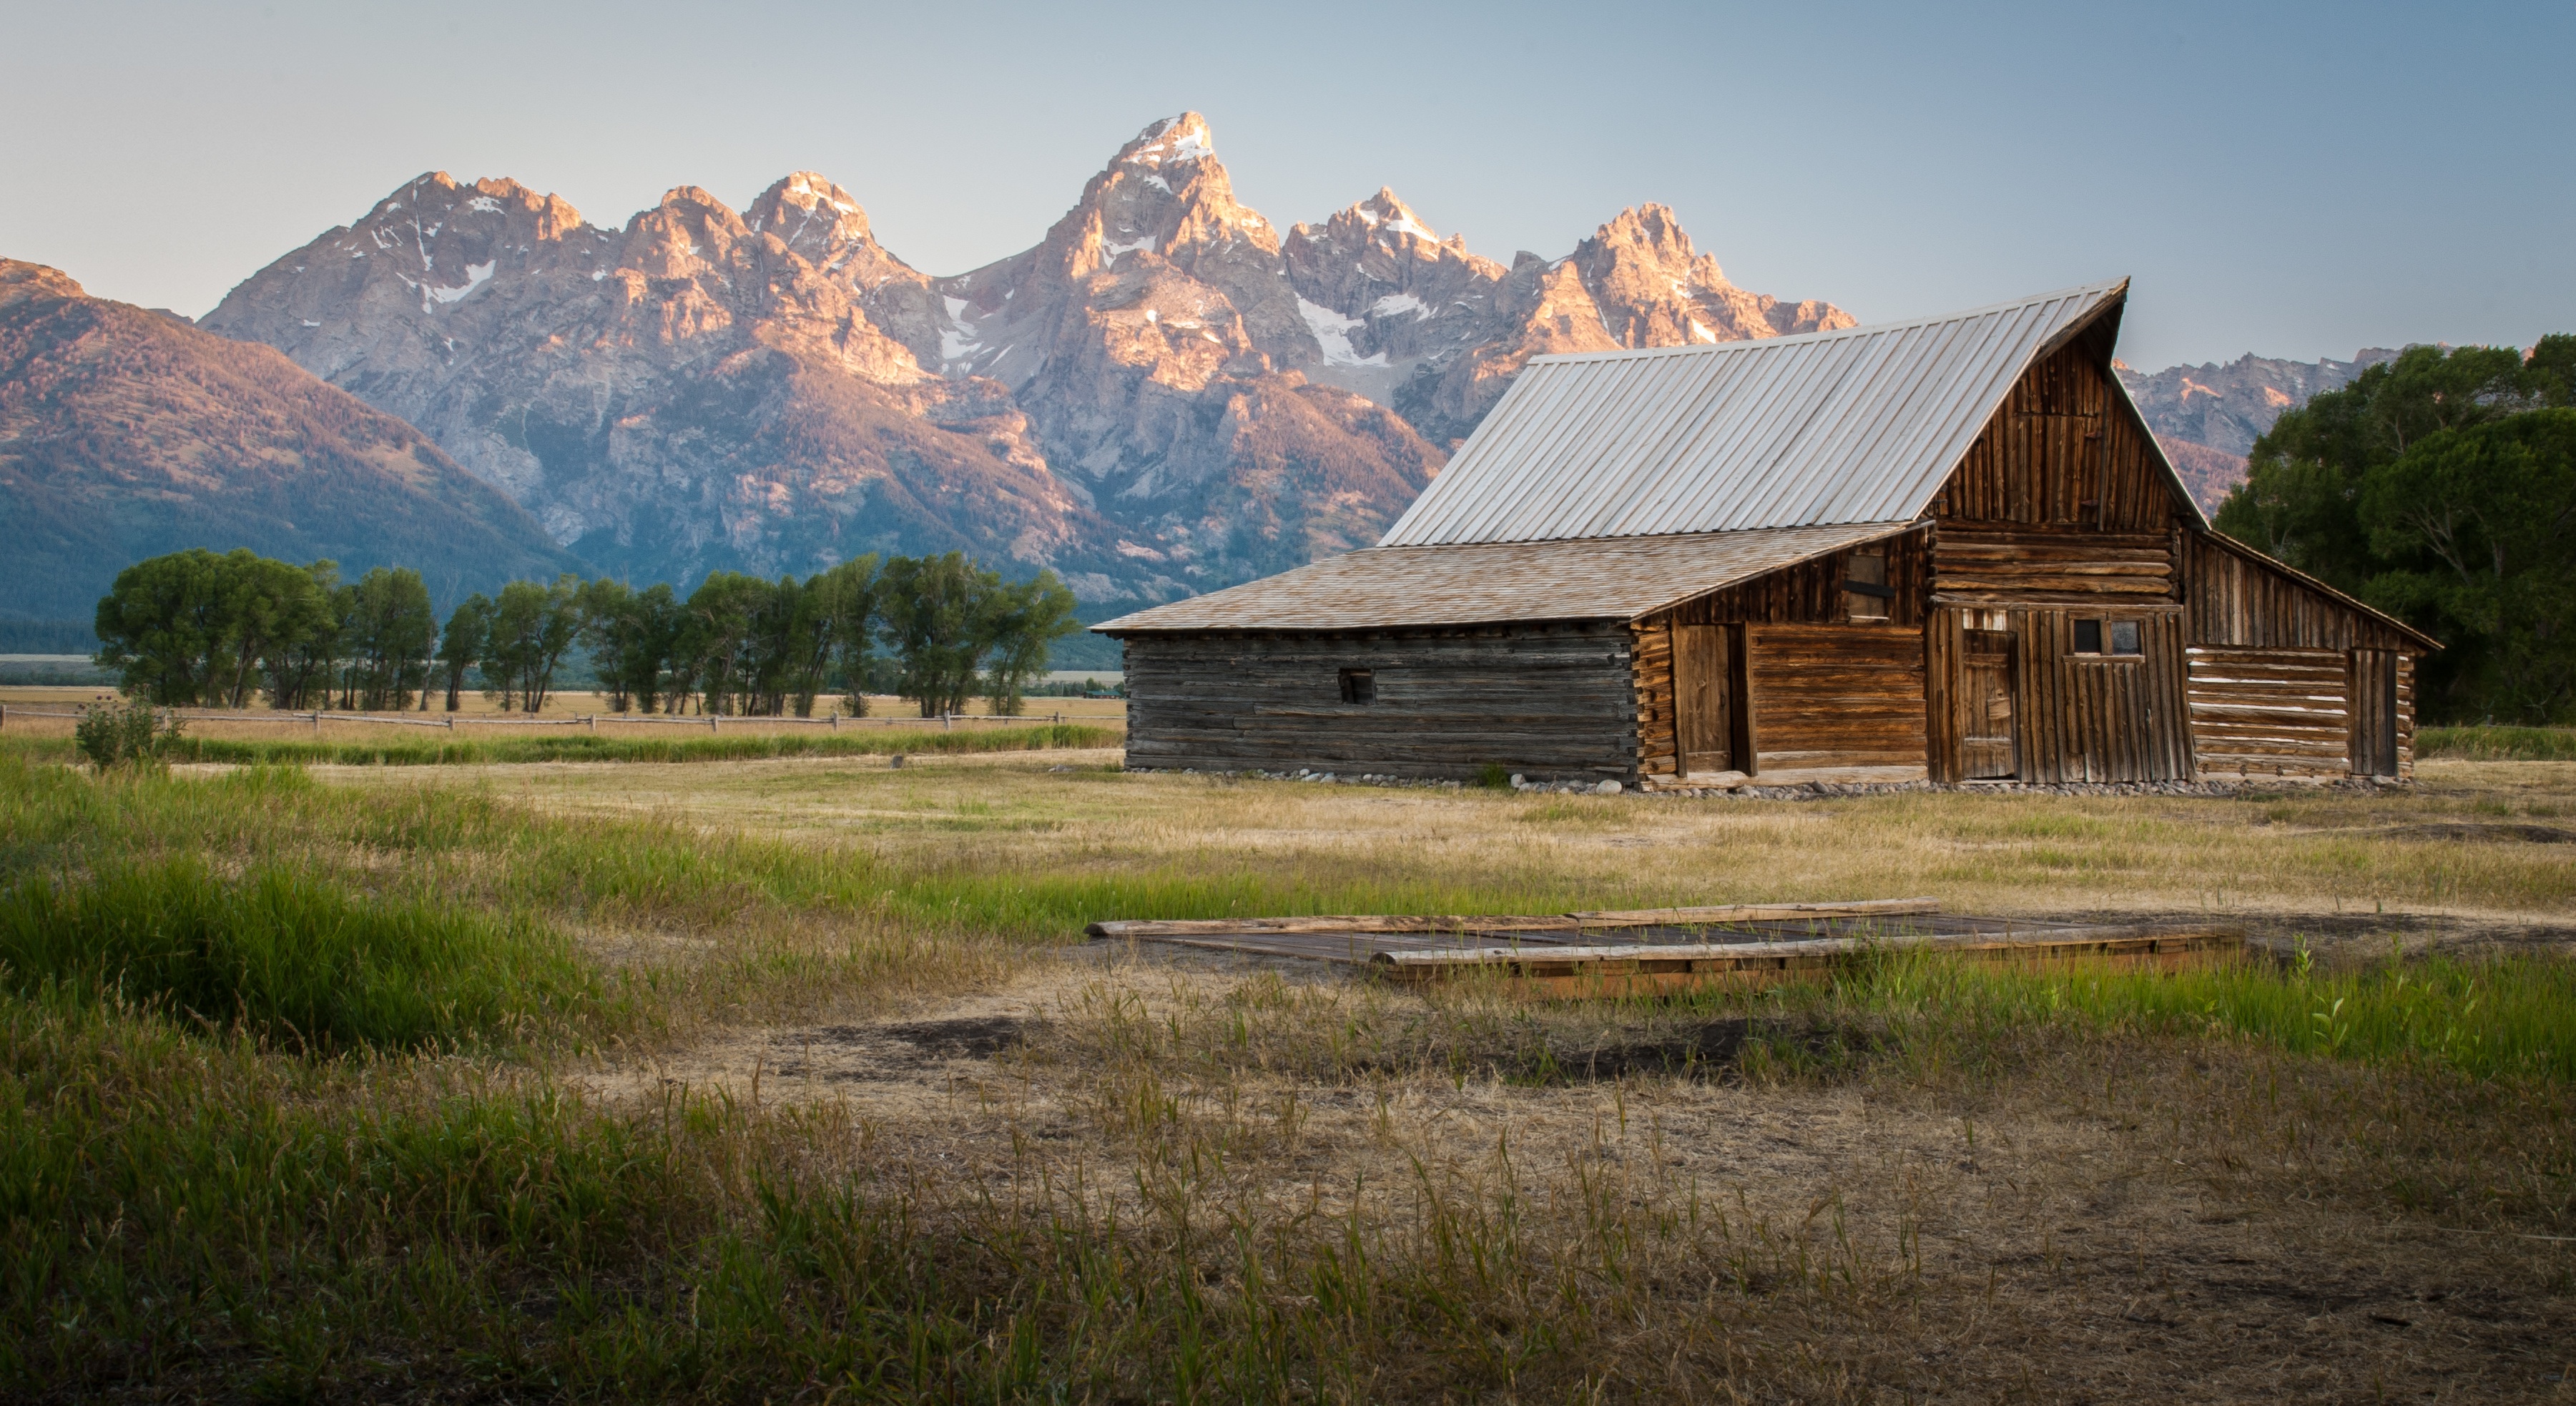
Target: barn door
[
  {"x": 1706, "y": 665},
  {"x": 1986, "y": 706},
  {"x": 2374, "y": 712}
]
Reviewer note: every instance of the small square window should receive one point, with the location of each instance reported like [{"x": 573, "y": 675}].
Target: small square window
[
  {"x": 2124, "y": 637},
  {"x": 1358, "y": 686},
  {"x": 2088, "y": 636}
]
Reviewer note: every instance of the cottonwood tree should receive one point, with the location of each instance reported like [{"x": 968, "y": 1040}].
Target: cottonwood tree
[
  {"x": 388, "y": 636},
  {"x": 1020, "y": 623},
  {"x": 2433, "y": 486},
  {"x": 936, "y": 613},
  {"x": 533, "y": 627},
  {"x": 460, "y": 645}
]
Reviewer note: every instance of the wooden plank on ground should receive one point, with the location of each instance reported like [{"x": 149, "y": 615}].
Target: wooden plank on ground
[{"x": 1464, "y": 923}]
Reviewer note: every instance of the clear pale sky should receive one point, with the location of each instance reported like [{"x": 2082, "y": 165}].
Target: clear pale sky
[{"x": 2292, "y": 180}]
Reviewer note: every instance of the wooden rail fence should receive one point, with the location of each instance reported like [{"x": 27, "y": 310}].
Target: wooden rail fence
[{"x": 947, "y": 721}]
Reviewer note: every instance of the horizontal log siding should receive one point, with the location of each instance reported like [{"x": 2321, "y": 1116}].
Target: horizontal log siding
[
  {"x": 2237, "y": 601},
  {"x": 2272, "y": 712},
  {"x": 2062, "y": 440},
  {"x": 1984, "y": 563},
  {"x": 1836, "y": 698},
  {"x": 2406, "y": 716},
  {"x": 1658, "y": 719},
  {"x": 1554, "y": 702}
]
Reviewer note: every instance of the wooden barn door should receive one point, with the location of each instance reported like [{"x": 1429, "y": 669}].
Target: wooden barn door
[
  {"x": 2374, "y": 712},
  {"x": 1985, "y": 712},
  {"x": 1707, "y": 719}
]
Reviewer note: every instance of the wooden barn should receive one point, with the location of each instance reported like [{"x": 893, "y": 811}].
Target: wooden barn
[{"x": 1940, "y": 550}]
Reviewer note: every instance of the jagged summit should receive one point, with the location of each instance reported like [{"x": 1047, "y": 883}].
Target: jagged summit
[{"x": 1174, "y": 139}]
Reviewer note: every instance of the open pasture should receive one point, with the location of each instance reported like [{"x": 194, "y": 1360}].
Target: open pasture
[{"x": 788, "y": 1079}]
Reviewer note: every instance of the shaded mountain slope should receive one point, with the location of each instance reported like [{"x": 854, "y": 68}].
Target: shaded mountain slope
[{"x": 126, "y": 433}]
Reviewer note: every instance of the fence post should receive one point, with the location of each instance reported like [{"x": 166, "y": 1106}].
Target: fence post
[
  {"x": 594, "y": 722},
  {"x": 948, "y": 722},
  {"x": 317, "y": 722},
  {"x": 711, "y": 722},
  {"x": 451, "y": 724},
  {"x": 836, "y": 720}
]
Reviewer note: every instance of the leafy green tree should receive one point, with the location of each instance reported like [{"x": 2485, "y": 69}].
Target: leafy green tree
[
  {"x": 630, "y": 635},
  {"x": 2479, "y": 528},
  {"x": 304, "y": 649},
  {"x": 2428, "y": 488},
  {"x": 719, "y": 637},
  {"x": 937, "y": 620},
  {"x": 460, "y": 646},
  {"x": 533, "y": 627},
  {"x": 388, "y": 635},
  {"x": 1021, "y": 622},
  {"x": 835, "y": 620},
  {"x": 163, "y": 626}
]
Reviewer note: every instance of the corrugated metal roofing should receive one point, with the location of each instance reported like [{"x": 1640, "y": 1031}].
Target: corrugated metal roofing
[
  {"x": 1490, "y": 582},
  {"x": 1861, "y": 425}
]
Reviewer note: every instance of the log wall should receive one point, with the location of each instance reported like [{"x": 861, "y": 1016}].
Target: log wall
[
  {"x": 1836, "y": 702},
  {"x": 1555, "y": 702},
  {"x": 2271, "y": 712}
]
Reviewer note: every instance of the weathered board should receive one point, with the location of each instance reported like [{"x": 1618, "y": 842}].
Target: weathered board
[
  {"x": 1653, "y": 951},
  {"x": 2271, "y": 712},
  {"x": 1551, "y": 701}
]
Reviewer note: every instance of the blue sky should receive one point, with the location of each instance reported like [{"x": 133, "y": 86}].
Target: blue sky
[{"x": 2293, "y": 180}]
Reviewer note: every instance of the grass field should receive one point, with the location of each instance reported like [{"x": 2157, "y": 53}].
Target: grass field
[{"x": 788, "y": 1080}]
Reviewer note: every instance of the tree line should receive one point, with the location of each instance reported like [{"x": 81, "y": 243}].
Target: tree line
[
  {"x": 2441, "y": 487},
  {"x": 195, "y": 628}
]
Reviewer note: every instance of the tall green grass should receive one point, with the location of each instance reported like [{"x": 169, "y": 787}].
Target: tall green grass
[
  {"x": 291, "y": 956},
  {"x": 2483, "y": 1018},
  {"x": 415, "y": 750},
  {"x": 2498, "y": 744}
]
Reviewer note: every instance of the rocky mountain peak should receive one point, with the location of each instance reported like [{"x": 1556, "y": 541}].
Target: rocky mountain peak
[
  {"x": 1178, "y": 140},
  {"x": 1656, "y": 290},
  {"x": 816, "y": 219},
  {"x": 1164, "y": 194}
]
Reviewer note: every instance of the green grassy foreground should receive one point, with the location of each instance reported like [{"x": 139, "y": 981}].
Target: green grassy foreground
[
  {"x": 278, "y": 1119},
  {"x": 2498, "y": 744},
  {"x": 591, "y": 747}
]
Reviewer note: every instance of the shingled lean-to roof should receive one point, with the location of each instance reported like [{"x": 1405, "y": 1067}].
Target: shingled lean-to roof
[
  {"x": 1609, "y": 485},
  {"x": 1491, "y": 582}
]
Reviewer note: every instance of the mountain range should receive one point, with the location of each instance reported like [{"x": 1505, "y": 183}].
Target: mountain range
[
  {"x": 1166, "y": 394},
  {"x": 2207, "y": 417}
]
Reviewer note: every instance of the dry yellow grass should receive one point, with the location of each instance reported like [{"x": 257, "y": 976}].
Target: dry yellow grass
[
  {"x": 1542, "y": 1201},
  {"x": 2450, "y": 854}
]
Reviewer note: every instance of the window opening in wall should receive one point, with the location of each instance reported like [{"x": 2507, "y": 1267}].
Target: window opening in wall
[
  {"x": 1865, "y": 591},
  {"x": 1358, "y": 686},
  {"x": 2114, "y": 637}
]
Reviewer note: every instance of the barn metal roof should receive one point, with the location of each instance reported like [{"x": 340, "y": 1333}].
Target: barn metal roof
[
  {"x": 1857, "y": 426},
  {"x": 1491, "y": 582}
]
